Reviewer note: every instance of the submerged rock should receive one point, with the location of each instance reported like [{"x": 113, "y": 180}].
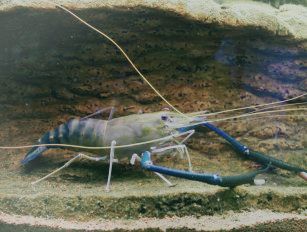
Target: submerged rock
[{"x": 288, "y": 19}]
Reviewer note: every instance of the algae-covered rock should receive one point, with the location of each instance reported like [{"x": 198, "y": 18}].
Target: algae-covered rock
[{"x": 287, "y": 19}]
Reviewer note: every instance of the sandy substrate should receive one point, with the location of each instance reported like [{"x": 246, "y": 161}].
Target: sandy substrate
[
  {"x": 289, "y": 19},
  {"x": 209, "y": 223}
]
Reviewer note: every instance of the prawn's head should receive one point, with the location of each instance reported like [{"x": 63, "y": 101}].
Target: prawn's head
[{"x": 180, "y": 122}]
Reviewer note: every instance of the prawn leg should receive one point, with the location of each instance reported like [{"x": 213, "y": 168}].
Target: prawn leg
[
  {"x": 185, "y": 149},
  {"x": 79, "y": 156},
  {"x": 101, "y": 111},
  {"x": 138, "y": 158},
  {"x": 111, "y": 161},
  {"x": 182, "y": 149},
  {"x": 83, "y": 156}
]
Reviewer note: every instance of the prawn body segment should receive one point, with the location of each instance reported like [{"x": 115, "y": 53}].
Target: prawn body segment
[
  {"x": 100, "y": 133},
  {"x": 74, "y": 132}
]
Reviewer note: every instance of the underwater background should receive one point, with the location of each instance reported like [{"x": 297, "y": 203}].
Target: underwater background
[{"x": 212, "y": 56}]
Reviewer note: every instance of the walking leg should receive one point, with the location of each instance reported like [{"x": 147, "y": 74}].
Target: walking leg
[
  {"x": 79, "y": 156},
  {"x": 181, "y": 148},
  {"x": 110, "y": 165},
  {"x": 136, "y": 157},
  {"x": 111, "y": 109}
]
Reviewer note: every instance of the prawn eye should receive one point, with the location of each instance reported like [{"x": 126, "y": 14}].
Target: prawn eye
[{"x": 164, "y": 117}]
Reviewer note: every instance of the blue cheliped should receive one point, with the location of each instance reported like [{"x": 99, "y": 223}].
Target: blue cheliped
[
  {"x": 253, "y": 155},
  {"x": 214, "y": 179},
  {"x": 208, "y": 178}
]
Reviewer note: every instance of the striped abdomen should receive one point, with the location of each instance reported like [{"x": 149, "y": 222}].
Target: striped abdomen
[{"x": 86, "y": 132}]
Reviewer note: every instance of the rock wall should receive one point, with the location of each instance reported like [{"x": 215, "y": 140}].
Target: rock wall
[
  {"x": 281, "y": 17},
  {"x": 52, "y": 65}
]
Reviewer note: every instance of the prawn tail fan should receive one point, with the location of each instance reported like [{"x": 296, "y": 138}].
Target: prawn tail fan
[{"x": 33, "y": 154}]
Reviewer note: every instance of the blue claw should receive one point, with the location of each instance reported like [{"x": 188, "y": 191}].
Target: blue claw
[
  {"x": 33, "y": 154},
  {"x": 214, "y": 179}
]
